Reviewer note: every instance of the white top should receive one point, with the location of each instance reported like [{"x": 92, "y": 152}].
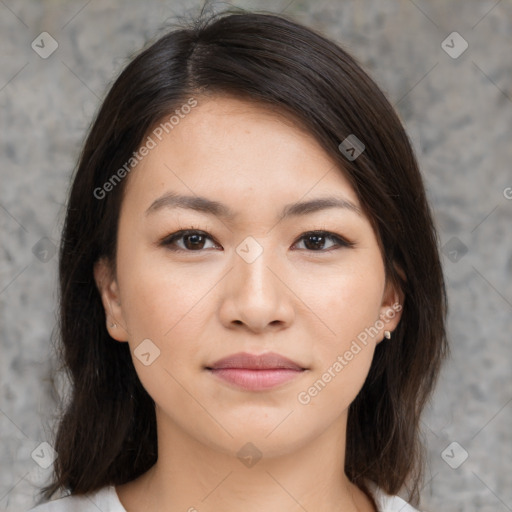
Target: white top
[{"x": 107, "y": 500}]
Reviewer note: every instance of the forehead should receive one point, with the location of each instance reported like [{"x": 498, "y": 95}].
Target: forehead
[{"x": 236, "y": 151}]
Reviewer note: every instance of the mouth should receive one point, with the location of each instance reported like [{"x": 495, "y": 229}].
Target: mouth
[{"x": 256, "y": 372}]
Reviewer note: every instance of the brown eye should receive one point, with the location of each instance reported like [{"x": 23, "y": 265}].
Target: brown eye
[
  {"x": 192, "y": 241},
  {"x": 315, "y": 241}
]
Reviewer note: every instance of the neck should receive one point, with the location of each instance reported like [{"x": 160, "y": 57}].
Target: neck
[{"x": 193, "y": 477}]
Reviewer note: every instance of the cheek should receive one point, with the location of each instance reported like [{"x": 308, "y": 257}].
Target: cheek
[
  {"x": 352, "y": 300},
  {"x": 331, "y": 391},
  {"x": 342, "y": 360},
  {"x": 168, "y": 306},
  {"x": 158, "y": 298},
  {"x": 349, "y": 306},
  {"x": 163, "y": 308}
]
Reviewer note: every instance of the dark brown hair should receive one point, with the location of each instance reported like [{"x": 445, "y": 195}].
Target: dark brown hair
[{"x": 107, "y": 432}]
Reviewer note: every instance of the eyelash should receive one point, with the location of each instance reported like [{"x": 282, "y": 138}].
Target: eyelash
[{"x": 169, "y": 240}]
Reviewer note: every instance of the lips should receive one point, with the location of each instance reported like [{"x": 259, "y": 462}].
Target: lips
[
  {"x": 251, "y": 372},
  {"x": 245, "y": 361}
]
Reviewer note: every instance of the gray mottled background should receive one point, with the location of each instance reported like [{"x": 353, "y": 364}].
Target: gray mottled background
[{"x": 458, "y": 112}]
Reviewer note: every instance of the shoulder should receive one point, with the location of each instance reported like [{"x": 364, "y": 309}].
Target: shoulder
[
  {"x": 104, "y": 499},
  {"x": 387, "y": 503}
]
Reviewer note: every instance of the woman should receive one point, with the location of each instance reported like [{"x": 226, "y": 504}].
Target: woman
[{"x": 252, "y": 302}]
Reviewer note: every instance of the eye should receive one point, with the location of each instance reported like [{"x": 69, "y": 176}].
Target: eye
[
  {"x": 315, "y": 240},
  {"x": 194, "y": 240}
]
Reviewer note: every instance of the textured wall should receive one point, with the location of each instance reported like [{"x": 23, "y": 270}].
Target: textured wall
[{"x": 458, "y": 112}]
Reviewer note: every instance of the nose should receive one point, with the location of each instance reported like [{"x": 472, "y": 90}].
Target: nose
[{"x": 256, "y": 295}]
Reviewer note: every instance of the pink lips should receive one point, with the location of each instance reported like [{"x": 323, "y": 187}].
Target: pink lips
[{"x": 256, "y": 372}]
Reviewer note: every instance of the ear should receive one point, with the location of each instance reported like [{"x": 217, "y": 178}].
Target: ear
[
  {"x": 392, "y": 306},
  {"x": 109, "y": 291}
]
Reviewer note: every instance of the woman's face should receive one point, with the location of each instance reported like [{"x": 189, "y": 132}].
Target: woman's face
[{"x": 253, "y": 281}]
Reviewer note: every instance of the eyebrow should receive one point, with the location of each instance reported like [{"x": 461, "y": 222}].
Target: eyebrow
[{"x": 202, "y": 204}]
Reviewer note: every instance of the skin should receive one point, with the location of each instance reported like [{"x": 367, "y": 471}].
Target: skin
[{"x": 303, "y": 302}]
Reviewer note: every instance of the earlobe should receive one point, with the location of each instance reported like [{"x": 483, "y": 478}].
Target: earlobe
[
  {"x": 109, "y": 292},
  {"x": 391, "y": 309},
  {"x": 388, "y": 320}
]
